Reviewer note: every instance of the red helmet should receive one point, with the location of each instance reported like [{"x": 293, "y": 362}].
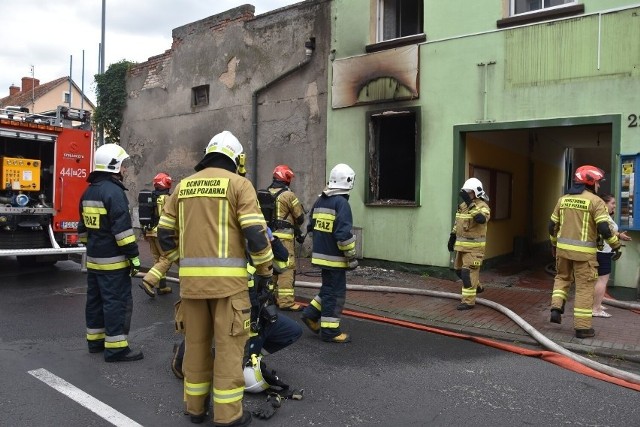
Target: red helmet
[
  {"x": 588, "y": 175},
  {"x": 162, "y": 181},
  {"x": 283, "y": 173}
]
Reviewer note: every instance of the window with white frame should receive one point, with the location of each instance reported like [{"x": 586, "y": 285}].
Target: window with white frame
[
  {"x": 399, "y": 18},
  {"x": 519, "y": 7}
]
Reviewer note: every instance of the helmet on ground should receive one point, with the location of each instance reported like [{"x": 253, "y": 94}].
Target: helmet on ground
[
  {"x": 588, "y": 175},
  {"x": 474, "y": 184},
  {"x": 283, "y": 173},
  {"x": 253, "y": 380},
  {"x": 342, "y": 177},
  {"x": 225, "y": 143},
  {"x": 109, "y": 158},
  {"x": 162, "y": 181}
]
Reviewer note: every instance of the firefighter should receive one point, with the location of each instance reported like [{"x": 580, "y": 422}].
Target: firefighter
[
  {"x": 208, "y": 219},
  {"x": 112, "y": 256},
  {"x": 334, "y": 251},
  {"x": 468, "y": 239},
  {"x": 578, "y": 218},
  {"x": 288, "y": 217},
  {"x": 156, "y": 277}
]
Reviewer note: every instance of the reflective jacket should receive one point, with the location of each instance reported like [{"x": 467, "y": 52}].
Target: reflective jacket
[
  {"x": 331, "y": 223},
  {"x": 575, "y": 224},
  {"x": 105, "y": 224},
  {"x": 471, "y": 235},
  {"x": 161, "y": 196},
  {"x": 288, "y": 213},
  {"x": 207, "y": 219}
]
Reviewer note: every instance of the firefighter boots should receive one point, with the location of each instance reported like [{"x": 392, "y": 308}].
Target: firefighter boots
[
  {"x": 127, "y": 357},
  {"x": 585, "y": 333},
  {"x": 292, "y": 307},
  {"x": 463, "y": 306},
  {"x": 244, "y": 420},
  {"x": 313, "y": 325},
  {"x": 556, "y": 315},
  {"x": 147, "y": 288},
  {"x": 340, "y": 339}
]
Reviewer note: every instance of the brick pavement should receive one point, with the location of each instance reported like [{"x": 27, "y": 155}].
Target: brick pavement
[{"x": 525, "y": 292}]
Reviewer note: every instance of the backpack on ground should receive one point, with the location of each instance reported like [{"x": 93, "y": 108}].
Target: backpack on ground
[
  {"x": 147, "y": 209},
  {"x": 267, "y": 202}
]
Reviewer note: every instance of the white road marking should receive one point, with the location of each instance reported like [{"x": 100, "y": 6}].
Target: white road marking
[{"x": 91, "y": 403}]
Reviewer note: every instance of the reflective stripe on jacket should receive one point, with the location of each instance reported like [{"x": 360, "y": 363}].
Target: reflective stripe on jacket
[
  {"x": 105, "y": 225},
  {"x": 288, "y": 209},
  {"x": 331, "y": 222},
  {"x": 470, "y": 235},
  {"x": 211, "y": 219}
]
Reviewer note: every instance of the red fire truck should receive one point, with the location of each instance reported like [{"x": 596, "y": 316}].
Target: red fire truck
[{"x": 44, "y": 163}]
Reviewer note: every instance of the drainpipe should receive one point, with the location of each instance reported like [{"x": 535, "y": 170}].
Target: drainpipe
[{"x": 310, "y": 46}]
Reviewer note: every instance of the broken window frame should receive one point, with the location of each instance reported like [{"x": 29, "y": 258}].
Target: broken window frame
[
  {"x": 200, "y": 96},
  {"x": 397, "y": 25},
  {"x": 375, "y": 122},
  {"x": 498, "y": 186}
]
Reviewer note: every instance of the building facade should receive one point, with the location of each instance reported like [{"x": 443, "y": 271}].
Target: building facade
[
  {"x": 264, "y": 78},
  {"x": 46, "y": 97},
  {"x": 426, "y": 93}
]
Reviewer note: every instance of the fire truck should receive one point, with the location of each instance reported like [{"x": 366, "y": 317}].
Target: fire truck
[{"x": 45, "y": 160}]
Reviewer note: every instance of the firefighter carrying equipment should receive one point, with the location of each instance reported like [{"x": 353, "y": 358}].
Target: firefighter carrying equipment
[
  {"x": 109, "y": 158},
  {"x": 268, "y": 201}
]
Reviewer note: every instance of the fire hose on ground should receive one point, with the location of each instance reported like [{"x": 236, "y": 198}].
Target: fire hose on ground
[{"x": 540, "y": 338}]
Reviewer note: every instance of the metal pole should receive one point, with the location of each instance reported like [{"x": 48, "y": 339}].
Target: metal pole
[
  {"x": 101, "y": 71},
  {"x": 82, "y": 84},
  {"x": 33, "y": 89},
  {"x": 70, "y": 73}
]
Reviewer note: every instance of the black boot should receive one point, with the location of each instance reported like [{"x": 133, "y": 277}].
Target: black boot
[
  {"x": 126, "y": 357},
  {"x": 585, "y": 333},
  {"x": 556, "y": 316},
  {"x": 244, "y": 420}
]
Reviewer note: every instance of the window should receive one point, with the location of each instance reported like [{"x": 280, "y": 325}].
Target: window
[
  {"x": 497, "y": 185},
  {"x": 399, "y": 18},
  {"x": 393, "y": 158},
  {"x": 66, "y": 97},
  {"x": 200, "y": 96},
  {"x": 524, "y": 6}
]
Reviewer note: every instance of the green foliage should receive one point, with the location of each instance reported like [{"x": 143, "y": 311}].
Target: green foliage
[{"x": 112, "y": 99}]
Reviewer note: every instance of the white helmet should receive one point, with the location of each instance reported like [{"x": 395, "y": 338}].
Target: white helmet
[
  {"x": 109, "y": 158},
  {"x": 474, "y": 184},
  {"x": 341, "y": 177},
  {"x": 253, "y": 380},
  {"x": 225, "y": 143}
]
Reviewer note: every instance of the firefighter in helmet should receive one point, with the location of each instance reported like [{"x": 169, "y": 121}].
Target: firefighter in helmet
[
  {"x": 288, "y": 216},
  {"x": 208, "y": 218},
  {"x": 577, "y": 220},
  {"x": 156, "y": 277},
  {"x": 334, "y": 251},
  {"x": 468, "y": 239},
  {"x": 112, "y": 256}
]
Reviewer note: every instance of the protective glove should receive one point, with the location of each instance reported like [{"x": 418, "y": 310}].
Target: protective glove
[
  {"x": 300, "y": 238},
  {"x": 465, "y": 197},
  {"x": 617, "y": 253},
  {"x": 353, "y": 263},
  {"x": 267, "y": 409},
  {"x": 134, "y": 264},
  {"x": 452, "y": 242},
  {"x": 263, "y": 283}
]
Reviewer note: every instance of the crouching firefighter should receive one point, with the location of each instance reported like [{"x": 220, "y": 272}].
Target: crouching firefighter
[{"x": 270, "y": 332}]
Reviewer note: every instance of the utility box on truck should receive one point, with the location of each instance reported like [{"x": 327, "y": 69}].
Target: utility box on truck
[{"x": 44, "y": 163}]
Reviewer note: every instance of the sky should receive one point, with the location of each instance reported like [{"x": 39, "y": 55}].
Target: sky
[{"x": 50, "y": 35}]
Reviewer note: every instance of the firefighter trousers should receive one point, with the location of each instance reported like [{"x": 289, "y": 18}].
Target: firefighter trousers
[
  {"x": 468, "y": 265},
  {"x": 584, "y": 274},
  {"x": 162, "y": 264},
  {"x": 285, "y": 293},
  {"x": 108, "y": 312},
  {"x": 227, "y": 321},
  {"x": 328, "y": 304},
  {"x": 274, "y": 336}
]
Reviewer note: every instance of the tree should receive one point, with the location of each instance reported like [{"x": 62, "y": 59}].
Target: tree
[{"x": 112, "y": 99}]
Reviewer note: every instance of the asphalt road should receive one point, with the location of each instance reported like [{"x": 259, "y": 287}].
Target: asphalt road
[{"x": 388, "y": 376}]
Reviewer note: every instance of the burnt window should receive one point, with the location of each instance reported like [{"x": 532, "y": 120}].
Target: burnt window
[
  {"x": 399, "y": 18},
  {"x": 393, "y": 156},
  {"x": 200, "y": 96}
]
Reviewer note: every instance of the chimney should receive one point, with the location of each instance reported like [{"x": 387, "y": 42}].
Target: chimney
[
  {"x": 29, "y": 83},
  {"x": 13, "y": 89}
]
